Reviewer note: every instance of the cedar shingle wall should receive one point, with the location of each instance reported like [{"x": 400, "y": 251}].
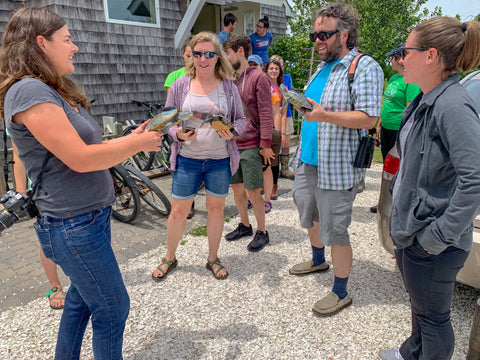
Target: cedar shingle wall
[{"x": 117, "y": 63}]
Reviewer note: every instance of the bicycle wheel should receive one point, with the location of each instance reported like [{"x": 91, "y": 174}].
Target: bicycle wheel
[
  {"x": 150, "y": 192},
  {"x": 127, "y": 199}
]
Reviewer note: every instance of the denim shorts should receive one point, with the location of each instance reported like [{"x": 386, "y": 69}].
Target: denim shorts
[{"x": 191, "y": 173}]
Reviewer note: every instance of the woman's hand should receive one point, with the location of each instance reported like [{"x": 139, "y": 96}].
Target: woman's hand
[
  {"x": 141, "y": 128},
  {"x": 186, "y": 136},
  {"x": 225, "y": 134},
  {"x": 150, "y": 140}
]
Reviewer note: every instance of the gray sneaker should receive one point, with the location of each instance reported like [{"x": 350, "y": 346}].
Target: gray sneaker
[{"x": 393, "y": 354}]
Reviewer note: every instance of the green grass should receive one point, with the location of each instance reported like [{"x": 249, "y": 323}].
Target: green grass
[
  {"x": 377, "y": 156},
  {"x": 199, "y": 231}
]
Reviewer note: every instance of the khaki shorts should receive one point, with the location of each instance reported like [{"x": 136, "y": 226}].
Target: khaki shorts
[
  {"x": 290, "y": 129},
  {"x": 250, "y": 172},
  {"x": 332, "y": 209}
]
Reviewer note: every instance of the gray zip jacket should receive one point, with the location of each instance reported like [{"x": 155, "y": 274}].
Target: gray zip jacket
[{"x": 439, "y": 194}]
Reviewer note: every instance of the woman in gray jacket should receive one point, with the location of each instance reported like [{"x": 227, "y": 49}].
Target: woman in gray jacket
[{"x": 436, "y": 193}]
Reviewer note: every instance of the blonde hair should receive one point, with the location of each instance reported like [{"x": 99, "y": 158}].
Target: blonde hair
[
  {"x": 21, "y": 57},
  {"x": 458, "y": 43},
  {"x": 223, "y": 67}
]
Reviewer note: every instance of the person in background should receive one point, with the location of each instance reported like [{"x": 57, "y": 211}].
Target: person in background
[
  {"x": 174, "y": 75},
  {"x": 436, "y": 192},
  {"x": 55, "y": 295},
  {"x": 261, "y": 40},
  {"x": 256, "y": 61},
  {"x": 201, "y": 154},
  {"x": 285, "y": 171},
  {"x": 61, "y": 147},
  {"x": 326, "y": 181},
  {"x": 230, "y": 22},
  {"x": 254, "y": 144},
  {"x": 274, "y": 71},
  {"x": 187, "y": 55},
  {"x": 396, "y": 97}
]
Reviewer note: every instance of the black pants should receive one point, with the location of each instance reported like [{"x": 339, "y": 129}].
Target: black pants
[
  {"x": 430, "y": 282},
  {"x": 387, "y": 138}
]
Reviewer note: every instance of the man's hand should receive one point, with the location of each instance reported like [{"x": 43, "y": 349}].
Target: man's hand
[{"x": 267, "y": 155}]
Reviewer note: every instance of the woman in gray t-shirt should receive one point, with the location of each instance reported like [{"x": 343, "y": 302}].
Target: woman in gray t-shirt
[{"x": 45, "y": 114}]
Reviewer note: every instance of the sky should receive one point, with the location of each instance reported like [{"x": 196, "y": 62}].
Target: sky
[{"x": 466, "y": 8}]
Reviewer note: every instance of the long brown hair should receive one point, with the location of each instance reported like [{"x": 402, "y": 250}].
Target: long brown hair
[
  {"x": 21, "y": 57},
  {"x": 457, "y": 43}
]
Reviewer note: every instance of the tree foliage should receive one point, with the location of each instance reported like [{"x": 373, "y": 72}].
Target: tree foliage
[{"x": 383, "y": 25}]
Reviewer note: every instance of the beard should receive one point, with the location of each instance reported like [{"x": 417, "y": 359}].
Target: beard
[
  {"x": 333, "y": 51},
  {"x": 236, "y": 65}
]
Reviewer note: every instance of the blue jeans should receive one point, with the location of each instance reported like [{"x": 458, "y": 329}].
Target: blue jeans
[
  {"x": 191, "y": 173},
  {"x": 430, "y": 282},
  {"x": 81, "y": 246}
]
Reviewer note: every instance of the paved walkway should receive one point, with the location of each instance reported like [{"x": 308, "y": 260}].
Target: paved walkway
[{"x": 22, "y": 278}]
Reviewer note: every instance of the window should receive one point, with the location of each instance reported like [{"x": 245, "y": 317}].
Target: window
[
  {"x": 250, "y": 23},
  {"x": 133, "y": 12}
]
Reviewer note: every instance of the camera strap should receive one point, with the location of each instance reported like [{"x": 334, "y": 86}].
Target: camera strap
[
  {"x": 36, "y": 183},
  {"x": 6, "y": 163}
]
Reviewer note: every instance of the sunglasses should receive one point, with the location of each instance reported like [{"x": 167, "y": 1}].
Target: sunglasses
[
  {"x": 403, "y": 50},
  {"x": 207, "y": 54},
  {"x": 322, "y": 35}
]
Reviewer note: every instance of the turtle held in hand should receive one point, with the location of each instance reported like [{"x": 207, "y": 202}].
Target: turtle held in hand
[
  {"x": 169, "y": 117},
  {"x": 296, "y": 99},
  {"x": 220, "y": 122}
]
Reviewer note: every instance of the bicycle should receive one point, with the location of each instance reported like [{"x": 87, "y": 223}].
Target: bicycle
[
  {"x": 149, "y": 192},
  {"x": 127, "y": 197},
  {"x": 156, "y": 159}
]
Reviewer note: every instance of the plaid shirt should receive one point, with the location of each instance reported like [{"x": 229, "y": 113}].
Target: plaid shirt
[{"x": 337, "y": 146}]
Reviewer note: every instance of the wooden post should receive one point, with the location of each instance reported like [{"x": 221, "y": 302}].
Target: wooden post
[{"x": 474, "y": 343}]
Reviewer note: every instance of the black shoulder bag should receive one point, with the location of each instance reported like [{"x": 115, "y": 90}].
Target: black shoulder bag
[{"x": 365, "y": 150}]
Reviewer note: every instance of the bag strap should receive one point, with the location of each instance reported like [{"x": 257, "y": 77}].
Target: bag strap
[
  {"x": 351, "y": 73},
  {"x": 6, "y": 163},
  {"x": 247, "y": 112}
]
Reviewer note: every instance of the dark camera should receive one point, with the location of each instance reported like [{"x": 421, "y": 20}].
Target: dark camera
[{"x": 16, "y": 206}]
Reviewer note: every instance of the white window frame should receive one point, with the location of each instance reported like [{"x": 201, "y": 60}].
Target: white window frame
[
  {"x": 134, "y": 23},
  {"x": 249, "y": 16}
]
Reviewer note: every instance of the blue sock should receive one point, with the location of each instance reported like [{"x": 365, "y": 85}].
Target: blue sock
[
  {"x": 340, "y": 287},
  {"x": 318, "y": 255}
]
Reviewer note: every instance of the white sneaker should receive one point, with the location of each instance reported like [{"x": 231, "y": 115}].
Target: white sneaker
[{"x": 393, "y": 354}]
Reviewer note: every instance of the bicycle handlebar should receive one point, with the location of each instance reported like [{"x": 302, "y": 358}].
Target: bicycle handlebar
[{"x": 147, "y": 105}]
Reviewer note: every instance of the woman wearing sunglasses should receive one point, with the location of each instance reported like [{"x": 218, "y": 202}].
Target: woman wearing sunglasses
[
  {"x": 261, "y": 40},
  {"x": 201, "y": 154},
  {"x": 436, "y": 193}
]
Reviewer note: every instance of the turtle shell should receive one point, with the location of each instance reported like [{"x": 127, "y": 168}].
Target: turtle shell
[
  {"x": 220, "y": 122},
  {"x": 160, "y": 120},
  {"x": 296, "y": 99}
]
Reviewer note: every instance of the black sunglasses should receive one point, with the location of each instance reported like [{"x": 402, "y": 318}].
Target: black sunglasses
[
  {"x": 322, "y": 35},
  {"x": 207, "y": 54},
  {"x": 403, "y": 53}
]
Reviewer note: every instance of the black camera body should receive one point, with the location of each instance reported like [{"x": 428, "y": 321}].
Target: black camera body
[{"x": 16, "y": 206}]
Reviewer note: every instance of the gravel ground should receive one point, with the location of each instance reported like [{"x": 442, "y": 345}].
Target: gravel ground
[{"x": 260, "y": 311}]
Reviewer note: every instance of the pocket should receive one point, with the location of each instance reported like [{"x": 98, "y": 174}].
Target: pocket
[
  {"x": 45, "y": 241},
  {"x": 417, "y": 250},
  {"x": 90, "y": 232}
]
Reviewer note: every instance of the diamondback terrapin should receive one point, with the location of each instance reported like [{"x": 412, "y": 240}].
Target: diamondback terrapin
[
  {"x": 166, "y": 119},
  {"x": 220, "y": 122},
  {"x": 296, "y": 99}
]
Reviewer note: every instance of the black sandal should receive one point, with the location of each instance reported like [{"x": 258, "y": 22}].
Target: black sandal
[
  {"x": 211, "y": 264},
  {"x": 171, "y": 265}
]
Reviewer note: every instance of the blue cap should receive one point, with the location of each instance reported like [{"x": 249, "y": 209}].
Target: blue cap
[
  {"x": 397, "y": 50},
  {"x": 256, "y": 59}
]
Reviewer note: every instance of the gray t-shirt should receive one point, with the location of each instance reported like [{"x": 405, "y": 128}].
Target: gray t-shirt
[{"x": 62, "y": 193}]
